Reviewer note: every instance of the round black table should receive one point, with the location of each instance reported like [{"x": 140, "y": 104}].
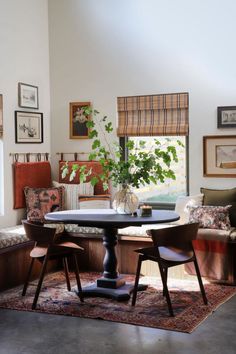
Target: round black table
[{"x": 111, "y": 284}]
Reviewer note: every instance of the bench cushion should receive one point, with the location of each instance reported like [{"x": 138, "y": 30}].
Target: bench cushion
[
  {"x": 217, "y": 235},
  {"x": 208, "y": 234},
  {"x": 14, "y": 235},
  {"x": 128, "y": 231},
  {"x": 11, "y": 236}
]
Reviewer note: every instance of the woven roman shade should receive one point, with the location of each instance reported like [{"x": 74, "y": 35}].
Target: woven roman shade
[
  {"x": 165, "y": 114},
  {"x": 1, "y": 118}
]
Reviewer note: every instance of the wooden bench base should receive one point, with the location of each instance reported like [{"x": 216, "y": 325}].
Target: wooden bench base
[
  {"x": 14, "y": 265},
  {"x": 92, "y": 257},
  {"x": 14, "y": 260}
]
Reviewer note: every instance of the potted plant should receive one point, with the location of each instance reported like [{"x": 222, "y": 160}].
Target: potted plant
[{"x": 143, "y": 166}]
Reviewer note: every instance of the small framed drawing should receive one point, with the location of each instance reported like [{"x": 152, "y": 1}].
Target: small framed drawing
[
  {"x": 226, "y": 117},
  {"x": 28, "y": 127},
  {"x": 28, "y": 96},
  {"x": 78, "y": 120},
  {"x": 219, "y": 156}
]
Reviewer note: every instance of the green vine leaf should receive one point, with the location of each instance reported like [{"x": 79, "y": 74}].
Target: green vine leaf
[{"x": 144, "y": 165}]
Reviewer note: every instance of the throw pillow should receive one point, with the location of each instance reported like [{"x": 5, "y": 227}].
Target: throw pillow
[
  {"x": 72, "y": 193},
  {"x": 221, "y": 197},
  {"x": 40, "y": 201},
  {"x": 95, "y": 202},
  {"x": 182, "y": 203},
  {"x": 210, "y": 217}
]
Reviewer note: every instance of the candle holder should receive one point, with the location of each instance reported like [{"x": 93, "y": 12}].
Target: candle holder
[{"x": 146, "y": 210}]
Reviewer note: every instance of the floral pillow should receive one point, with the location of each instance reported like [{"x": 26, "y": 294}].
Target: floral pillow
[
  {"x": 40, "y": 201},
  {"x": 210, "y": 217}
]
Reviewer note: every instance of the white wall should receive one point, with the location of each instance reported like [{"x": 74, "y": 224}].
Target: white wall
[
  {"x": 103, "y": 49},
  {"x": 24, "y": 57}
]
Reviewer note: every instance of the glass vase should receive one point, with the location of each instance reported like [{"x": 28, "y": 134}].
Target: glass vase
[{"x": 125, "y": 201}]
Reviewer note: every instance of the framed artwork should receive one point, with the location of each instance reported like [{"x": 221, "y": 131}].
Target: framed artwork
[
  {"x": 28, "y": 96},
  {"x": 219, "y": 156},
  {"x": 78, "y": 119},
  {"x": 28, "y": 127},
  {"x": 226, "y": 117}
]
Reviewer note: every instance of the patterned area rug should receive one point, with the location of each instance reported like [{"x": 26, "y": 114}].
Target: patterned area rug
[{"x": 150, "y": 310}]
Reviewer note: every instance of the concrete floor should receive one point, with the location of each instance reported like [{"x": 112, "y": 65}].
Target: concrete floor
[{"x": 31, "y": 333}]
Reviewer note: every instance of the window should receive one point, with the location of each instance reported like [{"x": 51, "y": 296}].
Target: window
[
  {"x": 168, "y": 191},
  {"x": 162, "y": 116}
]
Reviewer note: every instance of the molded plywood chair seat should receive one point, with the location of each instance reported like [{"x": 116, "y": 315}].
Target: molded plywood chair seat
[
  {"x": 172, "y": 247},
  {"x": 48, "y": 246}
]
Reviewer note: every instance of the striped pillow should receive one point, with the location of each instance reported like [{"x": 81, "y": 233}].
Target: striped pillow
[{"x": 72, "y": 193}]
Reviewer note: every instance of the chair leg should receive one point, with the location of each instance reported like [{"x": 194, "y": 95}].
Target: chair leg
[
  {"x": 43, "y": 269},
  {"x": 80, "y": 291},
  {"x": 28, "y": 277},
  {"x": 165, "y": 290},
  {"x": 140, "y": 259},
  {"x": 200, "y": 282},
  {"x": 66, "y": 270},
  {"x": 165, "y": 272}
]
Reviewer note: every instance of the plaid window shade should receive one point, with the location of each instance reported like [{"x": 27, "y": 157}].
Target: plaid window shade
[
  {"x": 165, "y": 114},
  {"x": 1, "y": 118}
]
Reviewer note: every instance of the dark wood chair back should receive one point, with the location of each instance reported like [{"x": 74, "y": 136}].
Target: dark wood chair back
[
  {"x": 39, "y": 233},
  {"x": 179, "y": 236}
]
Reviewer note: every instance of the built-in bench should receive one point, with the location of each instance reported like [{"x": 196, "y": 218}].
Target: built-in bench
[{"x": 215, "y": 249}]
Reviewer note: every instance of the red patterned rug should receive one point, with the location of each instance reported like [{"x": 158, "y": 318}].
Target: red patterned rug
[{"x": 150, "y": 310}]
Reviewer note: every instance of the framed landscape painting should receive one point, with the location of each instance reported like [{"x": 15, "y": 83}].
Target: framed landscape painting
[
  {"x": 219, "y": 156},
  {"x": 28, "y": 127},
  {"x": 28, "y": 96}
]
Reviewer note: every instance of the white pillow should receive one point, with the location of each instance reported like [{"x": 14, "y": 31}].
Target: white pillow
[
  {"x": 95, "y": 203},
  {"x": 73, "y": 191},
  {"x": 183, "y": 202}
]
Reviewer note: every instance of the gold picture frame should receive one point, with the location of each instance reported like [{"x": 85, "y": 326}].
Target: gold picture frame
[
  {"x": 219, "y": 156},
  {"x": 78, "y": 128}
]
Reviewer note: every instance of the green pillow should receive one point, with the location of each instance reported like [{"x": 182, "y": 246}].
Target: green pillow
[{"x": 221, "y": 197}]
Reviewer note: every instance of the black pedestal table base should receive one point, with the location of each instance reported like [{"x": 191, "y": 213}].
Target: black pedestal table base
[
  {"x": 111, "y": 285},
  {"x": 120, "y": 294}
]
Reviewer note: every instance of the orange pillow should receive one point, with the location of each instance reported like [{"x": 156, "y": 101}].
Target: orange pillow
[{"x": 31, "y": 174}]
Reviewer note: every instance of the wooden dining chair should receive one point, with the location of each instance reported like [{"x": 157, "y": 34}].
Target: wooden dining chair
[
  {"x": 48, "y": 246},
  {"x": 172, "y": 247}
]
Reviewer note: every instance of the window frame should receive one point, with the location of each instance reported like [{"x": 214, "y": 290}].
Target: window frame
[{"x": 160, "y": 205}]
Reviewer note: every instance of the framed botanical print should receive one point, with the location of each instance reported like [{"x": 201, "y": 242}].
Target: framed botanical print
[
  {"x": 219, "y": 156},
  {"x": 28, "y": 127},
  {"x": 78, "y": 120}
]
